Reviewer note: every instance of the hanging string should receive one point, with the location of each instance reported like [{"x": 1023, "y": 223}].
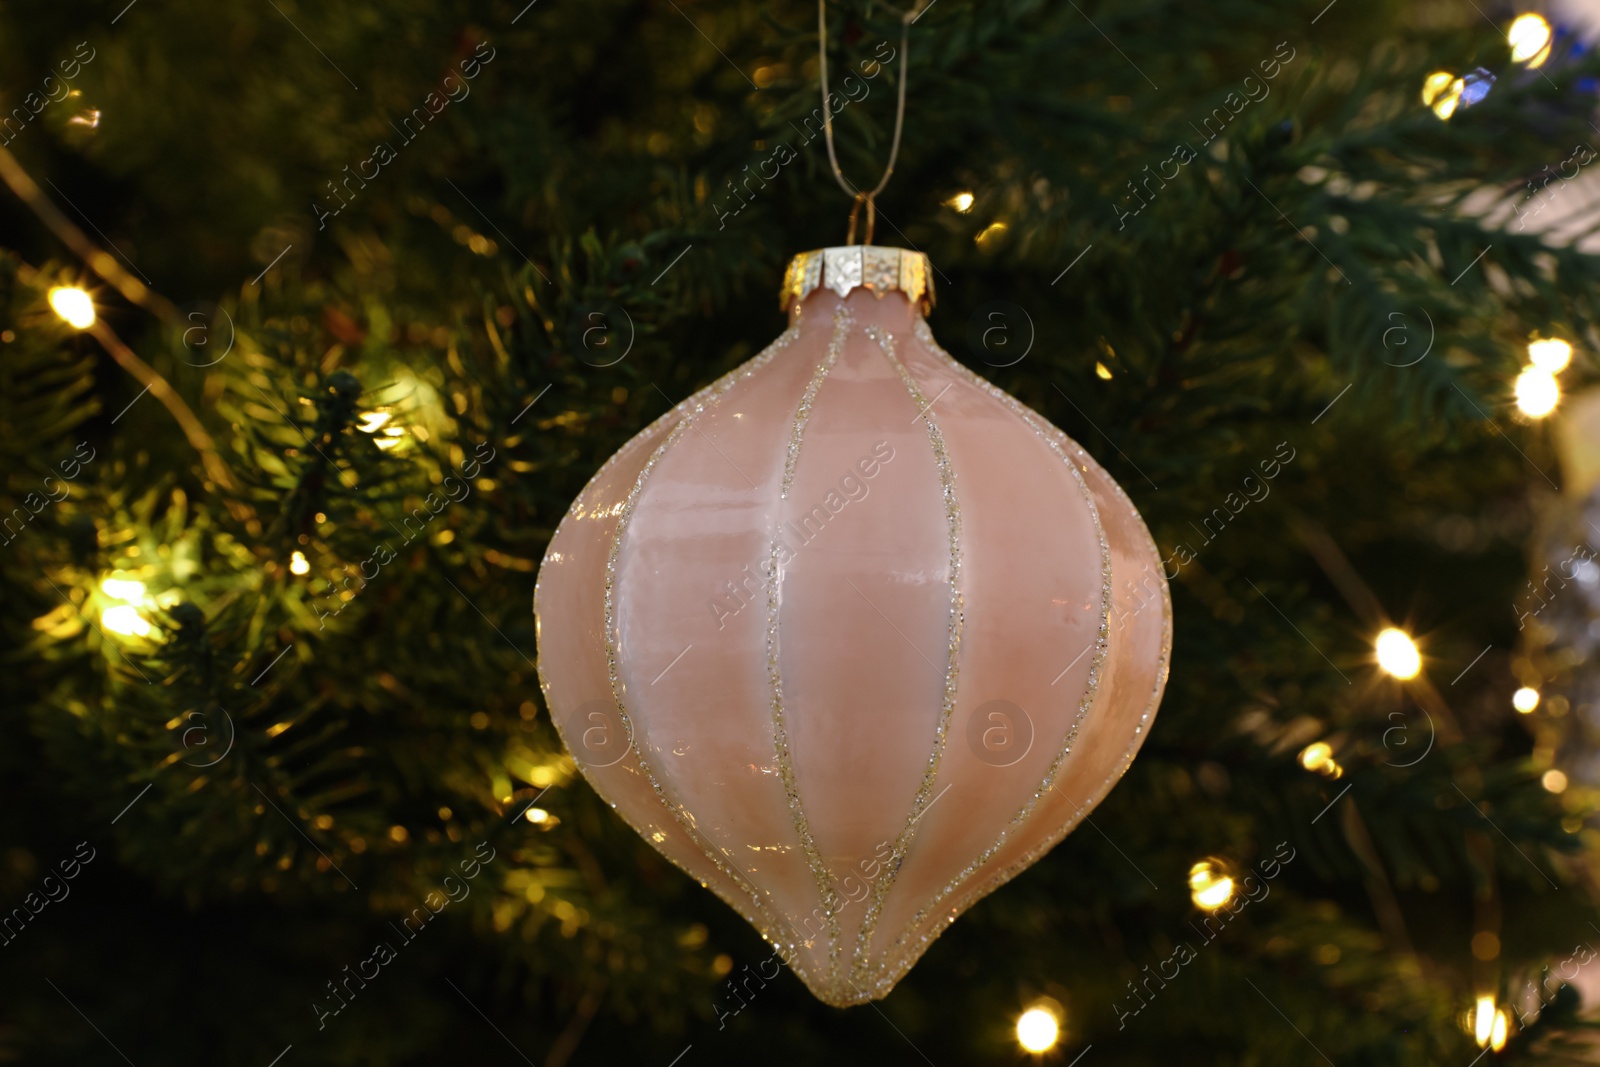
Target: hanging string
[{"x": 864, "y": 197}]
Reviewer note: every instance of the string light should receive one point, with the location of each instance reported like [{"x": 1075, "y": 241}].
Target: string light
[
  {"x": 1483, "y": 1021},
  {"x": 1537, "y": 392},
  {"x": 1434, "y": 86},
  {"x": 1525, "y": 699},
  {"x": 124, "y": 619},
  {"x": 1210, "y": 884},
  {"x": 1550, "y": 354},
  {"x": 962, "y": 202},
  {"x": 1554, "y": 781},
  {"x": 73, "y": 305},
  {"x": 1398, "y": 654},
  {"x": 990, "y": 233},
  {"x": 541, "y": 818},
  {"x": 1530, "y": 39},
  {"x": 1318, "y": 757},
  {"x": 298, "y": 563},
  {"x": 125, "y": 589},
  {"x": 1497, "y": 1032},
  {"x": 1443, "y": 98},
  {"x": 1038, "y": 1029},
  {"x": 1102, "y": 371}
]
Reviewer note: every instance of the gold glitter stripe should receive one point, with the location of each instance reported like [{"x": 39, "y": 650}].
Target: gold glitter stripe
[
  {"x": 688, "y": 410},
  {"x": 780, "y": 734},
  {"x": 952, "y": 506},
  {"x": 895, "y": 968}
]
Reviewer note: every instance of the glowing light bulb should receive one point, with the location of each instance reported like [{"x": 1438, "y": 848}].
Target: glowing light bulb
[
  {"x": 1398, "y": 654},
  {"x": 1550, "y": 354},
  {"x": 372, "y": 421},
  {"x": 1102, "y": 371},
  {"x": 1537, "y": 392},
  {"x": 1434, "y": 85},
  {"x": 991, "y": 232},
  {"x": 298, "y": 563},
  {"x": 126, "y": 589},
  {"x": 1483, "y": 1021},
  {"x": 73, "y": 305},
  {"x": 962, "y": 202},
  {"x": 1525, "y": 699},
  {"x": 1497, "y": 1033},
  {"x": 1316, "y": 755},
  {"x": 1530, "y": 39},
  {"x": 1554, "y": 781},
  {"x": 541, "y": 818},
  {"x": 1038, "y": 1029},
  {"x": 1445, "y": 104},
  {"x": 124, "y": 619},
  {"x": 1210, "y": 885}
]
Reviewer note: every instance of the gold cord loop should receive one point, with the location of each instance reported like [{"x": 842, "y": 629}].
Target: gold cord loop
[{"x": 867, "y": 197}]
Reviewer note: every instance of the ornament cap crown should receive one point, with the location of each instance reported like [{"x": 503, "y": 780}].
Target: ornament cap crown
[{"x": 847, "y": 267}]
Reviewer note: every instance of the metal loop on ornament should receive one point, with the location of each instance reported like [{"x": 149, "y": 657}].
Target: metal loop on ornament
[{"x": 872, "y": 218}]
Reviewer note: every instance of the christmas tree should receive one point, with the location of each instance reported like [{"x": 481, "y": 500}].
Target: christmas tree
[{"x": 317, "y": 318}]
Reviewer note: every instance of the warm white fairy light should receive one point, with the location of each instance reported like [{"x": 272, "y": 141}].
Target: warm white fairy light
[
  {"x": 73, "y": 305},
  {"x": 1550, "y": 354},
  {"x": 1537, "y": 392},
  {"x": 1434, "y": 86},
  {"x": 1398, "y": 654},
  {"x": 1530, "y": 38},
  {"x": 298, "y": 563},
  {"x": 1038, "y": 1029},
  {"x": 962, "y": 202},
  {"x": 126, "y": 589},
  {"x": 1445, "y": 100},
  {"x": 124, "y": 619},
  {"x": 1525, "y": 699},
  {"x": 1483, "y": 1021},
  {"x": 1210, "y": 885},
  {"x": 1318, "y": 756}
]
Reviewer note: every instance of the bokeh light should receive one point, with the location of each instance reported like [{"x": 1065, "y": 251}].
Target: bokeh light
[
  {"x": 1398, "y": 654},
  {"x": 73, "y": 305}
]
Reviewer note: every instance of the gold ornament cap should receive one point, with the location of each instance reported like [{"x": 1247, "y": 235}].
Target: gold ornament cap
[{"x": 847, "y": 267}]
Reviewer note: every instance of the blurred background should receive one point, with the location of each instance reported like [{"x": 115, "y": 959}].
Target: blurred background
[{"x": 271, "y": 271}]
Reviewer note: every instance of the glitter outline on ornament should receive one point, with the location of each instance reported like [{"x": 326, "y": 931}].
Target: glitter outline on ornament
[
  {"x": 738, "y": 374},
  {"x": 613, "y": 638},
  {"x": 842, "y": 323},
  {"x": 1056, "y": 440},
  {"x": 919, "y": 804}
]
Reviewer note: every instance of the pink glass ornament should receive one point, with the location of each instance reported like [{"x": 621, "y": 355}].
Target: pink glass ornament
[{"x": 851, "y": 635}]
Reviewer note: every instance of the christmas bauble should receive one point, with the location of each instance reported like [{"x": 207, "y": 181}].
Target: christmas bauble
[{"x": 851, "y": 635}]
